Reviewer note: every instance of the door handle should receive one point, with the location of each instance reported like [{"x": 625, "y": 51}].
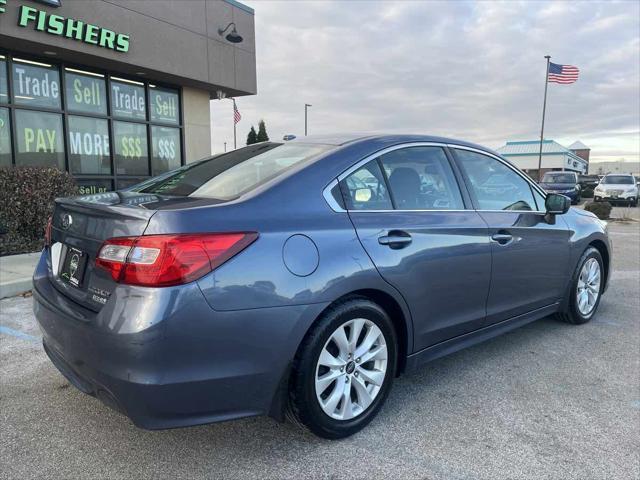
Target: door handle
[
  {"x": 395, "y": 239},
  {"x": 503, "y": 238}
]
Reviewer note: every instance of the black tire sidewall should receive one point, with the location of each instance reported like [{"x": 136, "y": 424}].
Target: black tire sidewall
[
  {"x": 310, "y": 411},
  {"x": 573, "y": 304}
]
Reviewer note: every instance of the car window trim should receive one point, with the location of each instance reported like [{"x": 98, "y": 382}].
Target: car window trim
[
  {"x": 331, "y": 201},
  {"x": 531, "y": 184}
]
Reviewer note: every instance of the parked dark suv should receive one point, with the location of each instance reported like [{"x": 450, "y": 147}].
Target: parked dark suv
[
  {"x": 299, "y": 279},
  {"x": 565, "y": 183}
]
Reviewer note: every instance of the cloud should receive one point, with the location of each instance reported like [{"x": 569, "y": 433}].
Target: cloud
[{"x": 473, "y": 71}]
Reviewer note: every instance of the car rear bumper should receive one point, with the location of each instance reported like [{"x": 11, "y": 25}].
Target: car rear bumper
[{"x": 166, "y": 359}]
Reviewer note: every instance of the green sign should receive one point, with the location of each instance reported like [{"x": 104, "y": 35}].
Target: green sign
[{"x": 71, "y": 28}]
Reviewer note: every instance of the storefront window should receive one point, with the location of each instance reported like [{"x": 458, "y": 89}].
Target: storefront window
[
  {"x": 89, "y": 145},
  {"x": 108, "y": 131},
  {"x": 36, "y": 84},
  {"x": 85, "y": 92},
  {"x": 4, "y": 93},
  {"x": 130, "y": 145},
  {"x": 129, "y": 182},
  {"x": 92, "y": 187},
  {"x": 165, "y": 152},
  {"x": 5, "y": 138},
  {"x": 127, "y": 100},
  {"x": 40, "y": 139},
  {"x": 164, "y": 105}
]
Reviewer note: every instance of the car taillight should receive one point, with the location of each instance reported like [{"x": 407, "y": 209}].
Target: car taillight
[
  {"x": 47, "y": 232},
  {"x": 165, "y": 260}
]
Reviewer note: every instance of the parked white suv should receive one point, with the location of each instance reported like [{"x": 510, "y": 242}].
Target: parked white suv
[{"x": 617, "y": 188}]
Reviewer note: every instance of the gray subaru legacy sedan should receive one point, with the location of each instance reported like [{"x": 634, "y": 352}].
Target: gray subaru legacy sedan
[{"x": 297, "y": 280}]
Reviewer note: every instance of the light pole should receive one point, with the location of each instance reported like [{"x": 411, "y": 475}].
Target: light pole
[
  {"x": 225, "y": 147},
  {"x": 306, "y": 106}
]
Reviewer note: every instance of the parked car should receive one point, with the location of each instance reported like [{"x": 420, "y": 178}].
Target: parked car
[
  {"x": 565, "y": 183},
  {"x": 617, "y": 188},
  {"x": 273, "y": 280},
  {"x": 588, "y": 181}
]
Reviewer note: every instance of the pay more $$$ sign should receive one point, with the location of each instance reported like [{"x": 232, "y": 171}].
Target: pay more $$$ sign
[{"x": 71, "y": 28}]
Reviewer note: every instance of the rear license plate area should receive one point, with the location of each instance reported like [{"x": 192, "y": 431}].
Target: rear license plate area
[{"x": 73, "y": 267}]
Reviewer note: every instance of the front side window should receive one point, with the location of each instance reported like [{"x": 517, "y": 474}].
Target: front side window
[
  {"x": 495, "y": 185},
  {"x": 365, "y": 189},
  {"x": 36, "y": 84},
  {"x": 39, "y": 139},
  {"x": 232, "y": 174},
  {"x": 421, "y": 178}
]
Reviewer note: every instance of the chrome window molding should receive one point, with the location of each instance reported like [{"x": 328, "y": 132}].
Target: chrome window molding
[{"x": 333, "y": 204}]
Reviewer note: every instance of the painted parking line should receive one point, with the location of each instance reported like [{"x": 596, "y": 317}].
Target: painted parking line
[{"x": 18, "y": 334}]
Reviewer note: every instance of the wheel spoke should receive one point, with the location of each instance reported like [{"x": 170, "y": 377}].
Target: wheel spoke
[
  {"x": 332, "y": 400},
  {"x": 364, "y": 397},
  {"x": 325, "y": 380},
  {"x": 356, "y": 329},
  {"x": 375, "y": 377},
  {"x": 346, "y": 407},
  {"x": 378, "y": 353},
  {"x": 340, "y": 339},
  {"x": 329, "y": 360},
  {"x": 369, "y": 339}
]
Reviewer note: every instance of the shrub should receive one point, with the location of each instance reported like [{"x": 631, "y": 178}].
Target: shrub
[
  {"x": 587, "y": 193},
  {"x": 26, "y": 197},
  {"x": 601, "y": 209}
]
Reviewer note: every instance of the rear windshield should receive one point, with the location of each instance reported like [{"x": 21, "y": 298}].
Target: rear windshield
[
  {"x": 618, "y": 180},
  {"x": 559, "y": 178},
  {"x": 232, "y": 174}
]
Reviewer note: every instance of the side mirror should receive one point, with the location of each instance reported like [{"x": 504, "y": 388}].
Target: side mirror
[{"x": 557, "y": 204}]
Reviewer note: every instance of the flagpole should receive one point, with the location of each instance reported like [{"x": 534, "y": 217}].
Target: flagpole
[
  {"x": 234, "y": 123},
  {"x": 544, "y": 108}
]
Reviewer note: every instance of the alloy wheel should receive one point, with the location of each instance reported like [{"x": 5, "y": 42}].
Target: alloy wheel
[
  {"x": 588, "y": 289},
  {"x": 351, "y": 369}
]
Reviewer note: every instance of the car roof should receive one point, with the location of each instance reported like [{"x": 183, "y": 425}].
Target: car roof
[{"x": 349, "y": 138}]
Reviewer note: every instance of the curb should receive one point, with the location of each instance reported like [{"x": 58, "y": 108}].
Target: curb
[{"x": 15, "y": 288}]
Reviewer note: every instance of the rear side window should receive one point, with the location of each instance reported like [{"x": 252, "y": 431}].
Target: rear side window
[
  {"x": 365, "y": 189},
  {"x": 494, "y": 185},
  {"x": 233, "y": 174},
  {"x": 421, "y": 178}
]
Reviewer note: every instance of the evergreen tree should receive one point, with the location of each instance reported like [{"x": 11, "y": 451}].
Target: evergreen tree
[
  {"x": 252, "y": 137},
  {"x": 262, "y": 132}
]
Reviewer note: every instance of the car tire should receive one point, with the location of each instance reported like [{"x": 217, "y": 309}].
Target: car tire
[
  {"x": 305, "y": 408},
  {"x": 576, "y": 312}
]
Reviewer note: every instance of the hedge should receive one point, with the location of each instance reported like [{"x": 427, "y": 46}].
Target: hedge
[
  {"x": 601, "y": 209},
  {"x": 26, "y": 200}
]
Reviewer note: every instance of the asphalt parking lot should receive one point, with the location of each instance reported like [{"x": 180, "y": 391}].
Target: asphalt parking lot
[{"x": 549, "y": 400}]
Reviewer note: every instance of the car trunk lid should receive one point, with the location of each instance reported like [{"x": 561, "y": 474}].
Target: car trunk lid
[{"x": 79, "y": 227}]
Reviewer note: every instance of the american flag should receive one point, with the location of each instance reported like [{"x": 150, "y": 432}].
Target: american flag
[
  {"x": 562, "y": 73},
  {"x": 236, "y": 113}
]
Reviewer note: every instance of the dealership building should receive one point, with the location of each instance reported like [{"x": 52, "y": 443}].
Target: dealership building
[
  {"x": 555, "y": 157},
  {"x": 116, "y": 91}
]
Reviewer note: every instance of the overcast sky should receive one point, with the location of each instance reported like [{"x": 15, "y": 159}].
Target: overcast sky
[{"x": 473, "y": 71}]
